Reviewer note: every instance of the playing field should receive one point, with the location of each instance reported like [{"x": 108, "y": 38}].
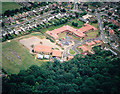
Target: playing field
[
  {"x": 9, "y": 6},
  {"x": 16, "y": 57}
]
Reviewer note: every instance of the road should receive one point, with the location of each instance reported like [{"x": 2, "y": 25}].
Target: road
[
  {"x": 102, "y": 35},
  {"x": 101, "y": 29},
  {"x": 77, "y": 43}
]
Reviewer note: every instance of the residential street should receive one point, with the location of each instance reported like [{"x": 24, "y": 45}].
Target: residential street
[{"x": 31, "y": 20}]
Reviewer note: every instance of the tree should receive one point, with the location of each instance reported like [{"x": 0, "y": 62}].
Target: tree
[
  {"x": 41, "y": 12},
  {"x": 109, "y": 13},
  {"x": 46, "y": 10},
  {"x": 96, "y": 73},
  {"x": 93, "y": 10},
  {"x": 30, "y": 80}
]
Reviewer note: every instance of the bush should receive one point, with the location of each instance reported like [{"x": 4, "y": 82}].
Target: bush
[{"x": 50, "y": 39}]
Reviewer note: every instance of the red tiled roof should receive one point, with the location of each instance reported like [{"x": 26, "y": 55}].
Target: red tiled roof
[
  {"x": 56, "y": 53},
  {"x": 69, "y": 5},
  {"x": 111, "y": 32},
  {"x": 70, "y": 57},
  {"x": 115, "y": 22},
  {"x": 54, "y": 33},
  {"x": 41, "y": 48},
  {"x": 90, "y": 43},
  {"x": 97, "y": 41},
  {"x": 83, "y": 48},
  {"x": 87, "y": 27},
  {"x": 84, "y": 53},
  {"x": 91, "y": 52}
]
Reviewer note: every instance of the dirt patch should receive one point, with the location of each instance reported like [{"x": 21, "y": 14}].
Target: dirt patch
[{"x": 32, "y": 41}]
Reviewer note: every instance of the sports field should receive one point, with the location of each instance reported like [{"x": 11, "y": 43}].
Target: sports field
[
  {"x": 9, "y": 6},
  {"x": 16, "y": 57}
]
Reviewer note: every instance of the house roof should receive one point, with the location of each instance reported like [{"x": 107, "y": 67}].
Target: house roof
[
  {"x": 91, "y": 52},
  {"x": 54, "y": 33},
  {"x": 84, "y": 53},
  {"x": 56, "y": 53},
  {"x": 113, "y": 21},
  {"x": 86, "y": 28},
  {"x": 70, "y": 57},
  {"x": 86, "y": 16},
  {"x": 81, "y": 19},
  {"x": 42, "y": 48},
  {"x": 111, "y": 32},
  {"x": 90, "y": 43},
  {"x": 83, "y": 48},
  {"x": 97, "y": 41}
]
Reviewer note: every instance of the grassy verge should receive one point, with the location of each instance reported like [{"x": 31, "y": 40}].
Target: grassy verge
[
  {"x": 80, "y": 50},
  {"x": 71, "y": 52}
]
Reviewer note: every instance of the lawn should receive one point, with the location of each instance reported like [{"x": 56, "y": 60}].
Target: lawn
[
  {"x": 71, "y": 52},
  {"x": 80, "y": 50},
  {"x": 9, "y": 6},
  {"x": 88, "y": 47},
  {"x": 80, "y": 23},
  {"x": 62, "y": 35},
  {"x": 92, "y": 34},
  {"x": 16, "y": 57},
  {"x": 95, "y": 25}
]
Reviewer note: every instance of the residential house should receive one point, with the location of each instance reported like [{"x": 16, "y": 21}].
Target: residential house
[
  {"x": 83, "y": 20},
  {"x": 11, "y": 19},
  {"x": 97, "y": 41},
  {"x": 111, "y": 32},
  {"x": 86, "y": 16},
  {"x": 70, "y": 57},
  {"x": 4, "y": 33},
  {"x": 17, "y": 30}
]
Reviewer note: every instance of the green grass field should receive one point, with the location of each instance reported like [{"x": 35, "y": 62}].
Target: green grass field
[
  {"x": 80, "y": 50},
  {"x": 71, "y": 52},
  {"x": 62, "y": 35},
  {"x": 16, "y": 57},
  {"x": 9, "y": 6},
  {"x": 95, "y": 25},
  {"x": 92, "y": 35}
]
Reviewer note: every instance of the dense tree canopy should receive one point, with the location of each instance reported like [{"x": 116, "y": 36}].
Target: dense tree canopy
[{"x": 91, "y": 74}]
